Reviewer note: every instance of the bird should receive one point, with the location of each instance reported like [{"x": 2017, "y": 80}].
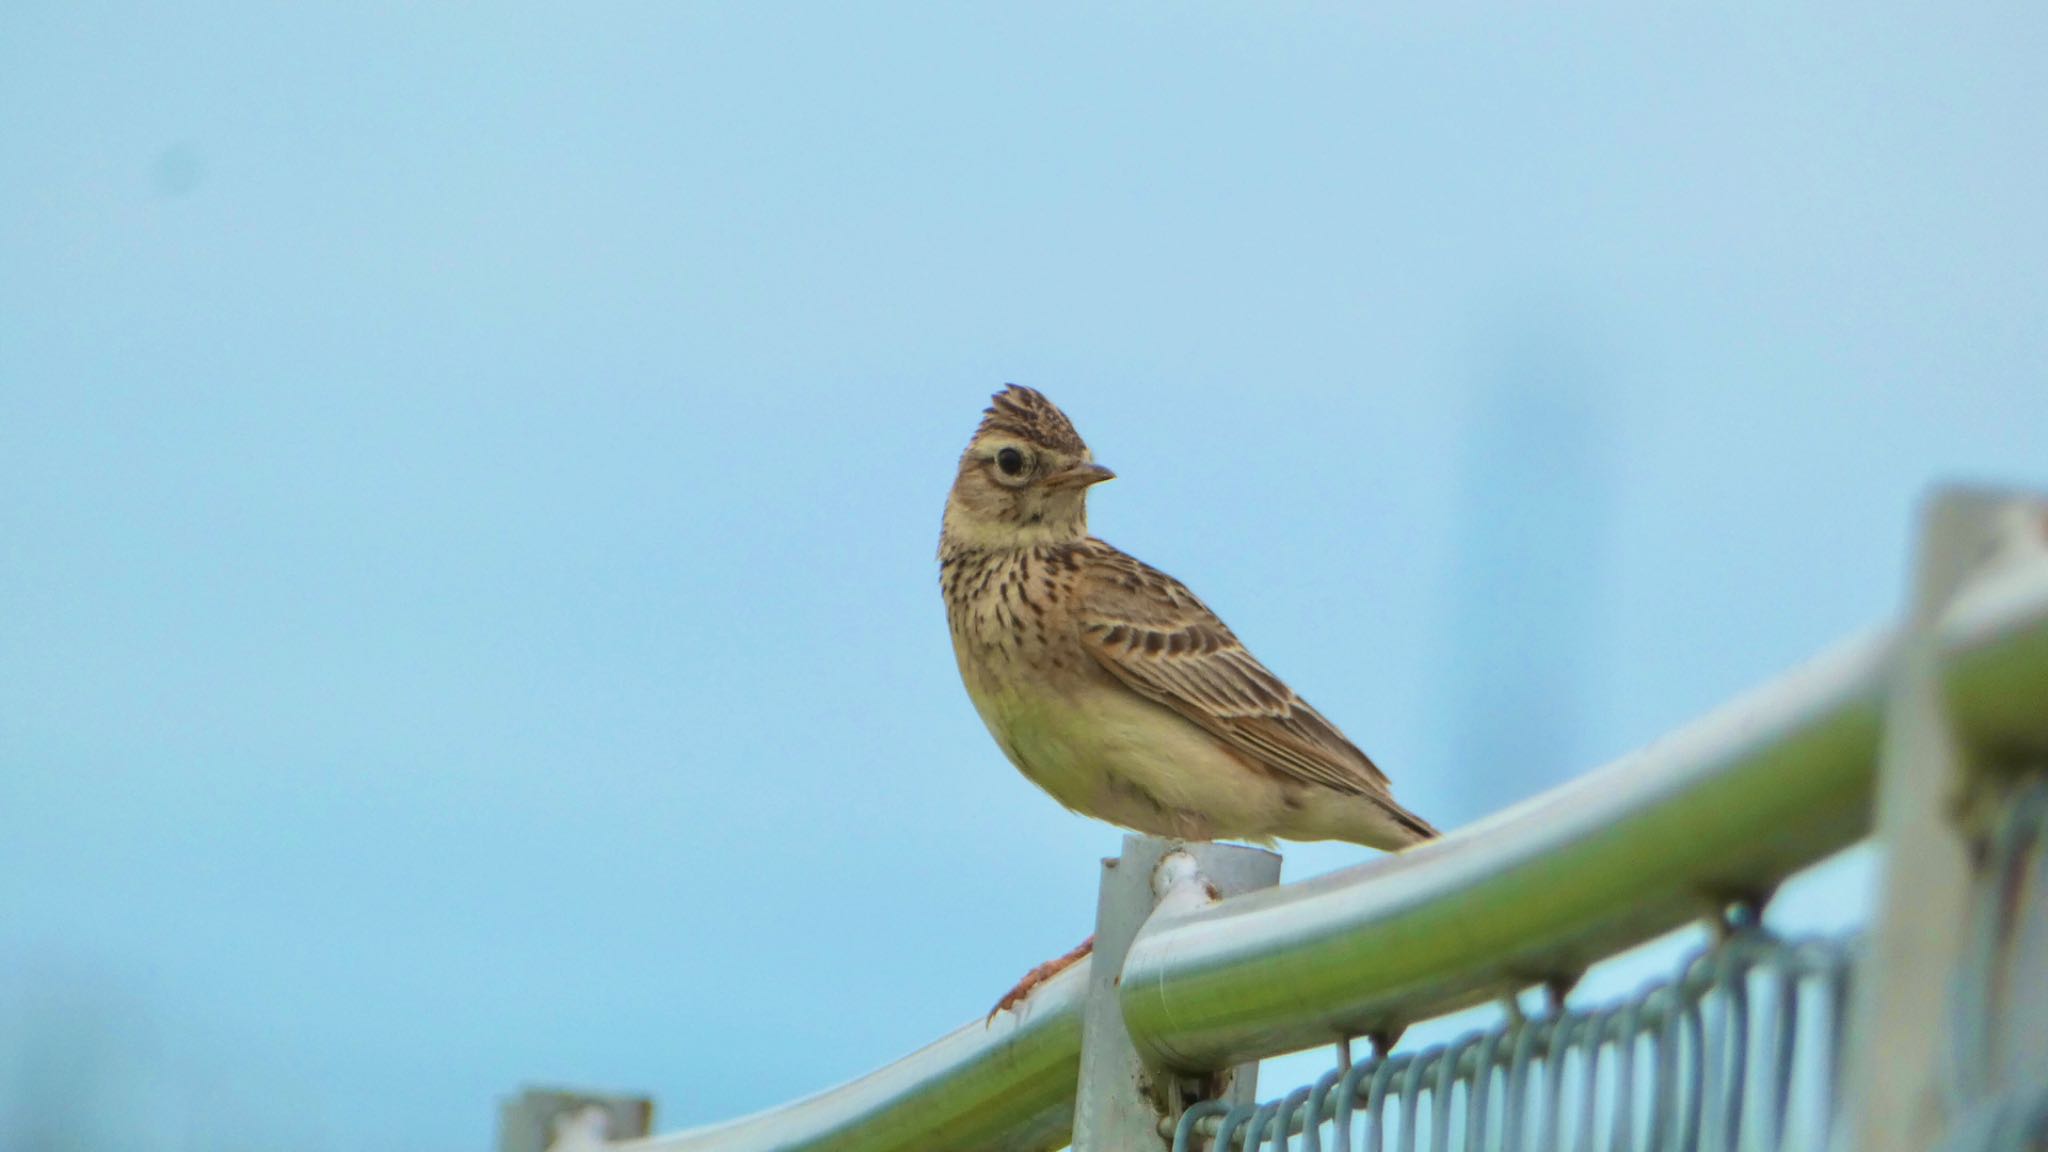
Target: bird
[{"x": 1110, "y": 685}]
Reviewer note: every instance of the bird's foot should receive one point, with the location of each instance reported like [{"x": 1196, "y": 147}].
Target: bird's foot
[{"x": 1040, "y": 975}]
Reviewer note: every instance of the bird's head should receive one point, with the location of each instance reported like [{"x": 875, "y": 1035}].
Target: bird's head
[{"x": 1024, "y": 478}]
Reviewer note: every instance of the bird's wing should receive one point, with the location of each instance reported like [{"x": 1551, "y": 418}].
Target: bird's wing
[{"x": 1147, "y": 629}]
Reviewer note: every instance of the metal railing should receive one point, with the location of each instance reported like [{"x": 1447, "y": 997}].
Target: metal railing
[
  {"x": 1742, "y": 1049},
  {"x": 1745, "y": 1048},
  {"x": 1714, "y": 814}
]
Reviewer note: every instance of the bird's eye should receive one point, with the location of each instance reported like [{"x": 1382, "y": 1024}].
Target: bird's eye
[{"x": 1010, "y": 461}]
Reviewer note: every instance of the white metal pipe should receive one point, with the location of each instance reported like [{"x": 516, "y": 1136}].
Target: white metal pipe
[{"x": 1005, "y": 1085}]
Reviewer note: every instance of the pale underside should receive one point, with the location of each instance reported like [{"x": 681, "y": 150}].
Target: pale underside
[{"x": 1106, "y": 752}]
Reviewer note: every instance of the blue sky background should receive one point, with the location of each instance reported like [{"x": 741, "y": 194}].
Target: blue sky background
[{"x": 469, "y": 479}]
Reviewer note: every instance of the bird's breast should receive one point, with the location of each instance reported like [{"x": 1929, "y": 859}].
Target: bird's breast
[
  {"x": 1106, "y": 752},
  {"x": 1009, "y": 609}
]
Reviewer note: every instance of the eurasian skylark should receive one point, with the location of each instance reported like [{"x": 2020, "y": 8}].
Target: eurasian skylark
[{"x": 1109, "y": 684}]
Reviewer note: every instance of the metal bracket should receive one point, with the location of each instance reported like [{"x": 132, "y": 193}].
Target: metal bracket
[{"x": 1122, "y": 1104}]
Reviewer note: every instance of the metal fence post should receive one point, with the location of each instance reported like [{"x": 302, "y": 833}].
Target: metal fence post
[
  {"x": 1121, "y": 1103},
  {"x": 544, "y": 1119},
  {"x": 1902, "y": 1038}
]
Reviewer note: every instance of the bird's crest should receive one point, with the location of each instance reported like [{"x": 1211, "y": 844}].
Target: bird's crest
[{"x": 1026, "y": 414}]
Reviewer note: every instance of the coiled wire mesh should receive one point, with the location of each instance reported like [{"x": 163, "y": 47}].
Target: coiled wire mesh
[{"x": 1741, "y": 1050}]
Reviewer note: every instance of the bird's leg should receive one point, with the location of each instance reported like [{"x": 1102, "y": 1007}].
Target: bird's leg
[{"x": 1040, "y": 975}]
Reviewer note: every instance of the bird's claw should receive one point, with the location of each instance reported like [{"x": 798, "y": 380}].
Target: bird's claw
[{"x": 1037, "y": 976}]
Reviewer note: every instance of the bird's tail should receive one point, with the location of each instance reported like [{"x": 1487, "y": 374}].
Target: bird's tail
[{"x": 1414, "y": 828}]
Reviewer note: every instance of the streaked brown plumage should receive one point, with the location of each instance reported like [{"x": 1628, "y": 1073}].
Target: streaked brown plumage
[{"x": 1110, "y": 684}]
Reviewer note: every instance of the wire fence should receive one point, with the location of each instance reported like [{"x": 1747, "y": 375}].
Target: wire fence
[
  {"x": 1996, "y": 1082},
  {"x": 1741, "y": 1050}
]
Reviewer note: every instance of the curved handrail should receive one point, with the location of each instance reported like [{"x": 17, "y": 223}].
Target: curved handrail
[{"x": 1004, "y": 1085}]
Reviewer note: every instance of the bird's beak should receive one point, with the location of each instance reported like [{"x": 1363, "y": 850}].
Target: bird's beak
[{"x": 1079, "y": 476}]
